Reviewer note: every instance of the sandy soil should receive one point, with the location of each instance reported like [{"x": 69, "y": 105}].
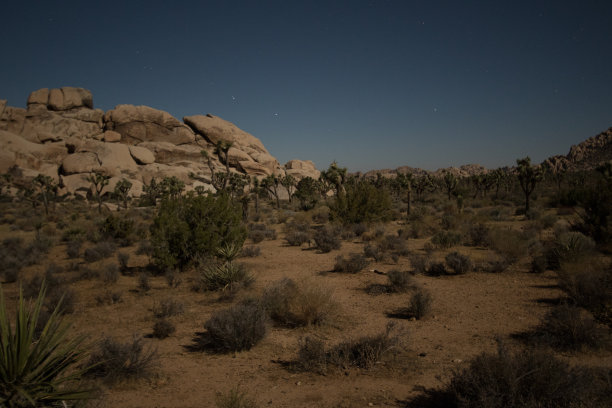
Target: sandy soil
[{"x": 469, "y": 313}]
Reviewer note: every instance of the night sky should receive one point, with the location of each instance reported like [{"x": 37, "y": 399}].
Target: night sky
[{"x": 373, "y": 85}]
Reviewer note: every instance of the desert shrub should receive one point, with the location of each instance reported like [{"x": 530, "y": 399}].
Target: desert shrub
[
  {"x": 145, "y": 248},
  {"x": 539, "y": 263},
  {"x": 224, "y": 276},
  {"x": 101, "y": 250},
  {"x": 114, "y": 361},
  {"x": 459, "y": 263},
  {"x": 353, "y": 264},
  {"x": 73, "y": 234},
  {"x": 362, "y": 352},
  {"x": 298, "y": 304},
  {"x": 400, "y": 280},
  {"x": 509, "y": 244},
  {"x": 308, "y": 193},
  {"x": 144, "y": 282},
  {"x": 419, "y": 263},
  {"x": 119, "y": 229},
  {"x": 394, "y": 243},
  {"x": 495, "y": 264},
  {"x": 589, "y": 285},
  {"x": 168, "y": 307},
  {"x": 568, "y": 327},
  {"x": 12, "y": 258},
  {"x": 373, "y": 251},
  {"x": 37, "y": 367},
  {"x": 297, "y": 238},
  {"x": 73, "y": 249},
  {"x": 320, "y": 214},
  {"x": 548, "y": 221},
  {"x": 257, "y": 236},
  {"x": 229, "y": 251},
  {"x": 362, "y": 202},
  {"x": 528, "y": 378},
  {"x": 110, "y": 273},
  {"x": 449, "y": 222},
  {"x": 195, "y": 226},
  {"x": 123, "y": 259},
  {"x": 436, "y": 269},
  {"x": 173, "y": 278},
  {"x": 420, "y": 303},
  {"x": 163, "y": 328},
  {"x": 250, "y": 251},
  {"x": 446, "y": 239},
  {"x": 234, "y": 398},
  {"x": 327, "y": 239},
  {"x": 569, "y": 247},
  {"x": 478, "y": 235},
  {"x": 359, "y": 229},
  {"x": 108, "y": 298},
  {"x": 238, "y": 328}
]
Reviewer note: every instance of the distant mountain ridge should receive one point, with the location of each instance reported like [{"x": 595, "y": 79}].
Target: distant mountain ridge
[{"x": 586, "y": 155}]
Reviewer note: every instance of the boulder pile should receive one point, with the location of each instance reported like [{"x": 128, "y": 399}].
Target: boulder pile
[{"x": 61, "y": 135}]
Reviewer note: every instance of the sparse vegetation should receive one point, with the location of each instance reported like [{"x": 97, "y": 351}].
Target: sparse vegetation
[
  {"x": 115, "y": 361},
  {"x": 238, "y": 328}
]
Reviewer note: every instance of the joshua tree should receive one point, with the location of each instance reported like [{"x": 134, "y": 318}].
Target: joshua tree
[
  {"x": 421, "y": 184},
  {"x": 256, "y": 189},
  {"x": 403, "y": 181},
  {"x": 222, "y": 150},
  {"x": 171, "y": 187},
  {"x": 308, "y": 192},
  {"x": 449, "y": 182},
  {"x": 335, "y": 176},
  {"x": 528, "y": 177},
  {"x": 290, "y": 183},
  {"x": 498, "y": 179},
  {"x": 271, "y": 184},
  {"x": 122, "y": 189},
  {"x": 46, "y": 188},
  {"x": 98, "y": 182}
]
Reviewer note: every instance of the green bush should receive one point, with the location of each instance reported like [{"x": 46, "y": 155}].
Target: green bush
[
  {"x": 327, "y": 239},
  {"x": 37, "y": 371},
  {"x": 194, "y": 226},
  {"x": 355, "y": 263},
  {"x": 224, "y": 276},
  {"x": 446, "y": 239},
  {"x": 568, "y": 247},
  {"x": 362, "y": 202}
]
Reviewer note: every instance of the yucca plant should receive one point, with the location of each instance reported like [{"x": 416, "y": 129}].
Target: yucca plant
[{"x": 37, "y": 371}]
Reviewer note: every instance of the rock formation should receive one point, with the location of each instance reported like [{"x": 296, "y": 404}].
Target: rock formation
[
  {"x": 60, "y": 134},
  {"x": 586, "y": 155}
]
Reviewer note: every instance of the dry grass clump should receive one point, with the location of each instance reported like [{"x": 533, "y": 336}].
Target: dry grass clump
[
  {"x": 362, "y": 352},
  {"x": 589, "y": 285},
  {"x": 234, "y": 398},
  {"x": 299, "y": 304},
  {"x": 567, "y": 327},
  {"x": 446, "y": 239},
  {"x": 238, "y": 328},
  {"x": 511, "y": 245},
  {"x": 163, "y": 328},
  {"x": 418, "y": 307},
  {"x": 250, "y": 251},
  {"x": 353, "y": 264},
  {"x": 459, "y": 263},
  {"x": 101, "y": 250},
  {"x": 529, "y": 378},
  {"x": 327, "y": 238},
  {"x": 400, "y": 281},
  {"x": 168, "y": 307},
  {"x": 115, "y": 361}
]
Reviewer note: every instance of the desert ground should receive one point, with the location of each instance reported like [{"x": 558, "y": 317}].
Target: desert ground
[{"x": 473, "y": 311}]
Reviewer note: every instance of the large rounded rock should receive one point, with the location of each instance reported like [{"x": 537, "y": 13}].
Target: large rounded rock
[
  {"x": 84, "y": 162},
  {"x": 142, "y": 155},
  {"x": 215, "y": 129},
  {"x": 30, "y": 155},
  {"x": 301, "y": 169},
  {"x": 144, "y": 124},
  {"x": 169, "y": 153},
  {"x": 40, "y": 97},
  {"x": 68, "y": 98},
  {"x": 114, "y": 158}
]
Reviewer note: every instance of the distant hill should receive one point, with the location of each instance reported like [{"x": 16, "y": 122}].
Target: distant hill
[{"x": 584, "y": 156}]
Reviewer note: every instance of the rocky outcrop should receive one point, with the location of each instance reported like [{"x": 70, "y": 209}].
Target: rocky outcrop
[
  {"x": 585, "y": 156},
  {"x": 138, "y": 124},
  {"x": 301, "y": 169},
  {"x": 215, "y": 129},
  {"x": 62, "y": 135}
]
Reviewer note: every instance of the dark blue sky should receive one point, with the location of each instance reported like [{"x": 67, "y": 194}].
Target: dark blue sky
[{"x": 374, "y": 84}]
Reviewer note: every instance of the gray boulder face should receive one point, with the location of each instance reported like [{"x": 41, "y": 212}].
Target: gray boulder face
[
  {"x": 138, "y": 124},
  {"x": 69, "y": 98}
]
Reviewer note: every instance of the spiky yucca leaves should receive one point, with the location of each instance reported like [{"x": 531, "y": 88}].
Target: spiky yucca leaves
[{"x": 33, "y": 372}]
